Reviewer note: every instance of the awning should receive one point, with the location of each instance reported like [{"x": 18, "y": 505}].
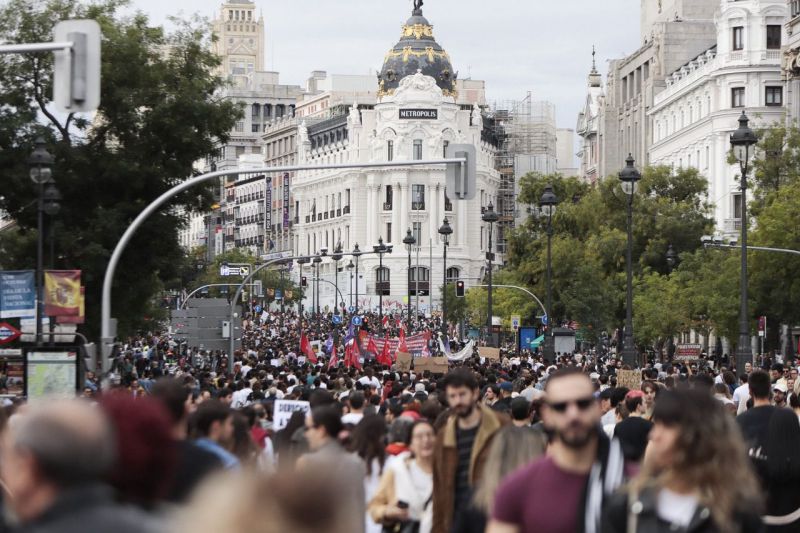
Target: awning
[{"x": 537, "y": 341}]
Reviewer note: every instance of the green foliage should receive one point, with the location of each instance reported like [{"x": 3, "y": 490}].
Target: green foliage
[
  {"x": 158, "y": 116},
  {"x": 456, "y": 307}
]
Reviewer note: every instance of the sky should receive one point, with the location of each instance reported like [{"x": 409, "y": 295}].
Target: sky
[{"x": 516, "y": 46}]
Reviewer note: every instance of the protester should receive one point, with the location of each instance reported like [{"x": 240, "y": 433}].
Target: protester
[
  {"x": 632, "y": 431},
  {"x": 403, "y": 498},
  {"x": 367, "y": 441},
  {"x": 54, "y": 460},
  {"x": 754, "y": 423},
  {"x": 462, "y": 446},
  {"x": 564, "y": 491},
  {"x": 214, "y": 431},
  {"x": 695, "y": 477},
  {"x": 782, "y": 453}
]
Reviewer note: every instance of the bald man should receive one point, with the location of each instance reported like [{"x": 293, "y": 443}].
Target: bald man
[{"x": 54, "y": 458}]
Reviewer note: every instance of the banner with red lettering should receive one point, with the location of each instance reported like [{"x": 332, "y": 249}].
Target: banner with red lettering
[{"x": 417, "y": 344}]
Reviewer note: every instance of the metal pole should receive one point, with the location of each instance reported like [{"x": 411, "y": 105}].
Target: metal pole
[
  {"x": 548, "y": 344},
  {"x": 408, "y": 288},
  {"x": 356, "y": 284},
  {"x": 380, "y": 292},
  {"x": 744, "y": 352},
  {"x": 526, "y": 291},
  {"x": 336, "y": 286},
  {"x": 300, "y": 300},
  {"x": 283, "y": 299},
  {"x": 106, "y": 334},
  {"x": 40, "y": 264},
  {"x": 200, "y": 288},
  {"x": 489, "y": 332},
  {"x": 34, "y": 47},
  {"x": 417, "y": 282},
  {"x": 338, "y": 292},
  {"x": 629, "y": 349},
  {"x": 444, "y": 292}
]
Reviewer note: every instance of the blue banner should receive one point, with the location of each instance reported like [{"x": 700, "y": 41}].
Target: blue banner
[
  {"x": 527, "y": 335},
  {"x": 17, "y": 294}
]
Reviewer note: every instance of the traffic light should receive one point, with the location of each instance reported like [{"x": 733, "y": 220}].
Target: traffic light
[
  {"x": 303, "y": 282},
  {"x": 460, "y": 289}
]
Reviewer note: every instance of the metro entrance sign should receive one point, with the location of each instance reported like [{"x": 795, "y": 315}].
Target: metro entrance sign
[{"x": 8, "y": 333}]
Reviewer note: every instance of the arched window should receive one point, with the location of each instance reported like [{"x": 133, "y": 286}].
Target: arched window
[
  {"x": 453, "y": 274},
  {"x": 382, "y": 282},
  {"x": 419, "y": 281}
]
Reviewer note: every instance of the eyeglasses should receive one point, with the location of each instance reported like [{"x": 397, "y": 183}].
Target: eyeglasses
[{"x": 582, "y": 404}]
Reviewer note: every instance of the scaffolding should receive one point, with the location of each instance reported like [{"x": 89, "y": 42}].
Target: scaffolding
[{"x": 526, "y": 134}]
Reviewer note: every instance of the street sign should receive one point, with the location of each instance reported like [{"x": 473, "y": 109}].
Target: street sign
[
  {"x": 8, "y": 333},
  {"x": 257, "y": 309},
  {"x": 544, "y": 320},
  {"x": 337, "y": 319},
  {"x": 76, "y": 71},
  {"x": 515, "y": 321},
  {"x": 351, "y": 309},
  {"x": 357, "y": 321},
  {"x": 762, "y": 326}
]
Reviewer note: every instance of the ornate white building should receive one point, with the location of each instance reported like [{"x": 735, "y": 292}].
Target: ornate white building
[
  {"x": 694, "y": 116},
  {"x": 362, "y": 206}
]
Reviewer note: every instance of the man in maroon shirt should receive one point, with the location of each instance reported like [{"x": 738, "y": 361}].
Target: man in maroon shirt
[{"x": 549, "y": 494}]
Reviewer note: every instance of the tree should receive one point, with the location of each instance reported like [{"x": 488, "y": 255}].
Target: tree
[{"x": 159, "y": 114}]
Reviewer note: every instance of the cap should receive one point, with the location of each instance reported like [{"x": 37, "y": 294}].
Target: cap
[
  {"x": 506, "y": 386},
  {"x": 634, "y": 394},
  {"x": 781, "y": 387}
]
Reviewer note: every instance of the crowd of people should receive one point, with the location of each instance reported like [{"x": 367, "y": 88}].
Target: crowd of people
[{"x": 510, "y": 445}]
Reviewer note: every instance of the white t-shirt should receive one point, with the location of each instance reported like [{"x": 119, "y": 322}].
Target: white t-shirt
[
  {"x": 370, "y": 381},
  {"x": 677, "y": 509},
  {"x": 741, "y": 394},
  {"x": 352, "y": 418}
]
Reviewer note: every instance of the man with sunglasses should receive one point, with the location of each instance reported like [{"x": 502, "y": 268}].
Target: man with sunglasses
[{"x": 563, "y": 491}]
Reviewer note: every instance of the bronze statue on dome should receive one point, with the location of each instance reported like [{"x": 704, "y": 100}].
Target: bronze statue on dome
[{"x": 418, "y": 5}]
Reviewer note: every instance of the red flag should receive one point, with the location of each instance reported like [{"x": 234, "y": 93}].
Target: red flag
[
  {"x": 371, "y": 346},
  {"x": 385, "y": 321},
  {"x": 402, "y": 346},
  {"x": 351, "y": 355},
  {"x": 384, "y": 357},
  {"x": 306, "y": 349},
  {"x": 333, "y": 361}
]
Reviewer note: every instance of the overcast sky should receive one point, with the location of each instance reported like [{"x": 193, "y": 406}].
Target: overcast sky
[{"x": 542, "y": 46}]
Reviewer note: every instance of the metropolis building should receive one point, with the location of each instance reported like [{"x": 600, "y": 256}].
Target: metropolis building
[{"x": 417, "y": 114}]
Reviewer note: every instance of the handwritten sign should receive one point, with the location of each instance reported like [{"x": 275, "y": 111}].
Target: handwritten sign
[
  {"x": 631, "y": 379},
  {"x": 283, "y": 411},
  {"x": 489, "y": 353},
  {"x": 403, "y": 362},
  {"x": 434, "y": 365}
]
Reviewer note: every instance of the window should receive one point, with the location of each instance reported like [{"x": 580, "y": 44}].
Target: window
[
  {"x": 255, "y": 128},
  {"x": 445, "y": 144},
  {"x": 416, "y": 231},
  {"x": 387, "y": 203},
  {"x": 390, "y": 150},
  {"x": 239, "y": 127},
  {"x": 389, "y": 231},
  {"x": 774, "y": 96},
  {"x": 738, "y": 38},
  {"x": 417, "y": 149},
  {"x": 773, "y": 37},
  {"x": 453, "y": 274},
  {"x": 418, "y": 197},
  {"x": 382, "y": 281},
  {"x": 419, "y": 281},
  {"x": 737, "y": 97}
]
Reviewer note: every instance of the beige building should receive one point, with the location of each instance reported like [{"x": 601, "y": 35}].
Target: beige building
[{"x": 240, "y": 41}]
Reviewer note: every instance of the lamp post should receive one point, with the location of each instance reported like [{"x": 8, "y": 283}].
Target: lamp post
[
  {"x": 547, "y": 205},
  {"x": 317, "y": 261},
  {"x": 349, "y": 268},
  {"x": 444, "y": 232},
  {"x": 672, "y": 258},
  {"x": 490, "y": 217},
  {"x": 742, "y": 140},
  {"x": 337, "y": 256},
  {"x": 409, "y": 241},
  {"x": 380, "y": 249},
  {"x": 629, "y": 177},
  {"x": 41, "y": 174},
  {"x": 356, "y": 253},
  {"x": 301, "y": 261}
]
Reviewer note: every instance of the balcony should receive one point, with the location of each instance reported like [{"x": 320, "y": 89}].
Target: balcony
[
  {"x": 383, "y": 287},
  {"x": 297, "y": 220},
  {"x": 332, "y": 211},
  {"x": 346, "y": 210},
  {"x": 733, "y": 224},
  {"x": 387, "y": 206},
  {"x": 325, "y": 215},
  {"x": 308, "y": 219},
  {"x": 418, "y": 206},
  {"x": 339, "y": 212}
]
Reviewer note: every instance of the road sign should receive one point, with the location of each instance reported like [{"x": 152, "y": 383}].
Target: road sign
[
  {"x": 8, "y": 333},
  {"x": 515, "y": 321},
  {"x": 257, "y": 309},
  {"x": 244, "y": 271},
  {"x": 762, "y": 326},
  {"x": 76, "y": 71},
  {"x": 337, "y": 319},
  {"x": 461, "y": 179},
  {"x": 544, "y": 320},
  {"x": 357, "y": 321},
  {"x": 351, "y": 309}
]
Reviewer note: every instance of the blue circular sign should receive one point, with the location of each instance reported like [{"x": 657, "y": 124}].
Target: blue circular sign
[
  {"x": 352, "y": 309},
  {"x": 257, "y": 309},
  {"x": 337, "y": 319},
  {"x": 357, "y": 321}
]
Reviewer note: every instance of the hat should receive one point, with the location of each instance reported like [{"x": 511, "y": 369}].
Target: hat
[
  {"x": 506, "y": 386},
  {"x": 781, "y": 387},
  {"x": 634, "y": 394},
  {"x": 419, "y": 387}
]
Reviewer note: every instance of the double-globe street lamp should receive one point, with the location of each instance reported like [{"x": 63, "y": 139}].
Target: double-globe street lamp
[
  {"x": 41, "y": 173},
  {"x": 629, "y": 177},
  {"x": 444, "y": 232},
  {"x": 337, "y": 256},
  {"x": 490, "y": 217},
  {"x": 357, "y": 254},
  {"x": 409, "y": 241},
  {"x": 350, "y": 266},
  {"x": 742, "y": 141},
  {"x": 547, "y": 206},
  {"x": 380, "y": 249}
]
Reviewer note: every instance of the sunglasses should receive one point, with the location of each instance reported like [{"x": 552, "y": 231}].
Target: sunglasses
[{"x": 582, "y": 404}]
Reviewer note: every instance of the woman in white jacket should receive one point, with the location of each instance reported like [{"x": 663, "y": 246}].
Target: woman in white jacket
[{"x": 403, "y": 500}]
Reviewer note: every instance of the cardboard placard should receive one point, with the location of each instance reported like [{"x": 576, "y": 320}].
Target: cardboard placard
[
  {"x": 489, "y": 353},
  {"x": 283, "y": 411},
  {"x": 403, "y": 362},
  {"x": 632, "y": 379},
  {"x": 434, "y": 365},
  {"x": 688, "y": 352}
]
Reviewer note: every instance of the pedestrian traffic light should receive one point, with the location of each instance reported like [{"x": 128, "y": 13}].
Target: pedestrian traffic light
[
  {"x": 460, "y": 289},
  {"x": 303, "y": 282}
]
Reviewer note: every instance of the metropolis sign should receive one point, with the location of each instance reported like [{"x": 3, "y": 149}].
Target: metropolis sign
[{"x": 427, "y": 114}]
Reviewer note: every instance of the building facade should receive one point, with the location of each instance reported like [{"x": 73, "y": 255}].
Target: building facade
[
  {"x": 791, "y": 62},
  {"x": 695, "y": 114},
  {"x": 417, "y": 114}
]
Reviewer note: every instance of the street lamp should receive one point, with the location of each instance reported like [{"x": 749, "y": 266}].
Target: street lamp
[
  {"x": 301, "y": 261},
  {"x": 672, "y": 258},
  {"x": 380, "y": 249},
  {"x": 317, "y": 260},
  {"x": 349, "y": 268},
  {"x": 409, "y": 241},
  {"x": 629, "y": 177},
  {"x": 742, "y": 140},
  {"x": 547, "y": 205},
  {"x": 356, "y": 253},
  {"x": 490, "y": 216},
  {"x": 444, "y": 232},
  {"x": 337, "y": 256},
  {"x": 41, "y": 162}
]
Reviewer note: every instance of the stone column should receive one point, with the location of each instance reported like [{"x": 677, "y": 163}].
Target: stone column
[
  {"x": 366, "y": 217},
  {"x": 433, "y": 209},
  {"x": 405, "y": 207}
]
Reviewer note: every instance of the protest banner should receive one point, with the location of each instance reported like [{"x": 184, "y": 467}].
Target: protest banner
[{"x": 283, "y": 411}]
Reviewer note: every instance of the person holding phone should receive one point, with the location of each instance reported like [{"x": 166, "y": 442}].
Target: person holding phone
[{"x": 402, "y": 503}]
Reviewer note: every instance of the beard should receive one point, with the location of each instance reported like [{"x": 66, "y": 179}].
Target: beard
[
  {"x": 463, "y": 411},
  {"x": 576, "y": 435}
]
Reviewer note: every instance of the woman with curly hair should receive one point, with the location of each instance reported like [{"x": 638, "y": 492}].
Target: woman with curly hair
[{"x": 696, "y": 475}]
